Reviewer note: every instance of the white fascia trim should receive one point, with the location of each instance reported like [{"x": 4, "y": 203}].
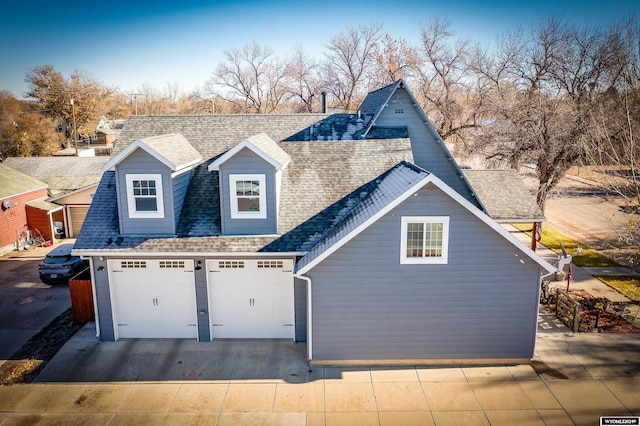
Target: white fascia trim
[
  {"x": 75, "y": 191},
  {"x": 493, "y": 224},
  {"x": 25, "y": 192},
  {"x": 131, "y": 148},
  {"x": 453, "y": 194},
  {"x": 215, "y": 166},
  {"x": 364, "y": 225},
  {"x": 386, "y": 102}
]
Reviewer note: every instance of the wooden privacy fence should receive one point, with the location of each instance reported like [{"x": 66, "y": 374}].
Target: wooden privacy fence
[
  {"x": 81, "y": 298},
  {"x": 568, "y": 310}
]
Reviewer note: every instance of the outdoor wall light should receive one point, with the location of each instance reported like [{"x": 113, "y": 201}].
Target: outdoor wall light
[{"x": 101, "y": 268}]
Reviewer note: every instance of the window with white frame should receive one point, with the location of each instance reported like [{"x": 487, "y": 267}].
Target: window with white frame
[
  {"x": 248, "y": 196},
  {"x": 144, "y": 196},
  {"x": 425, "y": 239}
]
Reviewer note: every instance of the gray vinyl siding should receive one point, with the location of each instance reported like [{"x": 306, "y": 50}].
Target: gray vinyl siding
[
  {"x": 179, "y": 186},
  {"x": 104, "y": 315},
  {"x": 247, "y": 162},
  {"x": 428, "y": 152},
  {"x": 140, "y": 162},
  {"x": 481, "y": 305},
  {"x": 300, "y": 300}
]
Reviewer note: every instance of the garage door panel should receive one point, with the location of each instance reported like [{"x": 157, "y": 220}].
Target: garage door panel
[
  {"x": 78, "y": 214},
  {"x": 154, "y": 298},
  {"x": 251, "y": 298}
]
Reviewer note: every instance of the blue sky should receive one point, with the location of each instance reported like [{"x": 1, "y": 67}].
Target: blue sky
[{"x": 125, "y": 44}]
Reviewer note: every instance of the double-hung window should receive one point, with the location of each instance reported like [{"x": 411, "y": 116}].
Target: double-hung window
[
  {"x": 248, "y": 196},
  {"x": 425, "y": 239},
  {"x": 144, "y": 196}
]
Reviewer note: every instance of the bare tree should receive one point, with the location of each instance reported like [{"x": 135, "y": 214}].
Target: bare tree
[
  {"x": 446, "y": 83},
  {"x": 252, "y": 78},
  {"x": 304, "y": 80},
  {"x": 543, "y": 86},
  {"x": 349, "y": 59},
  {"x": 394, "y": 60}
]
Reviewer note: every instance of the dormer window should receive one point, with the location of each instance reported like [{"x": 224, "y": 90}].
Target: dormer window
[
  {"x": 144, "y": 195},
  {"x": 248, "y": 196}
]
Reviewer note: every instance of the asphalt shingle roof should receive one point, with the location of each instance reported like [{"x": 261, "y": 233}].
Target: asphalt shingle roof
[
  {"x": 61, "y": 174},
  {"x": 263, "y": 142},
  {"x": 504, "y": 195},
  {"x": 321, "y": 231},
  {"x": 376, "y": 100},
  {"x": 174, "y": 147},
  {"x": 13, "y": 182},
  {"x": 319, "y": 174},
  {"x": 346, "y": 127},
  {"x": 214, "y": 134}
]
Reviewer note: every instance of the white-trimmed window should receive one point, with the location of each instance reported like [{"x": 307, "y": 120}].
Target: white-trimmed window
[
  {"x": 144, "y": 196},
  {"x": 248, "y": 196},
  {"x": 425, "y": 239}
]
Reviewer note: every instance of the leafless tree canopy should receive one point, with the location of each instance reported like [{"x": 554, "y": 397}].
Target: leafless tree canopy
[{"x": 549, "y": 96}]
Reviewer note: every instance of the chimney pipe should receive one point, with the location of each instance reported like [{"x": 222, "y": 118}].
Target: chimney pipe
[{"x": 324, "y": 102}]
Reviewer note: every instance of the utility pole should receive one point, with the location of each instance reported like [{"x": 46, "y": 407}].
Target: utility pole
[
  {"x": 75, "y": 132},
  {"x": 135, "y": 100},
  {"x": 213, "y": 106}
]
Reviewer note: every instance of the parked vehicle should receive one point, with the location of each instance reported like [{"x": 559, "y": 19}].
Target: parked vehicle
[{"x": 59, "y": 265}]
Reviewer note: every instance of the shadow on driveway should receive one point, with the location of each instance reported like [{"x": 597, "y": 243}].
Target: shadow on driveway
[{"x": 84, "y": 359}]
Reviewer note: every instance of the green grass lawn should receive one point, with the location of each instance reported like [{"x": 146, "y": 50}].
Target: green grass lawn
[
  {"x": 629, "y": 286},
  {"x": 551, "y": 237}
]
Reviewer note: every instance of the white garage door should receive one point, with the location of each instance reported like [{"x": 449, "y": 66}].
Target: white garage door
[
  {"x": 154, "y": 298},
  {"x": 251, "y": 298}
]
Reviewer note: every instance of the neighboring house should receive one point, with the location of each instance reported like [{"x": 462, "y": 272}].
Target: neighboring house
[
  {"x": 357, "y": 233},
  {"x": 71, "y": 182},
  {"x": 23, "y": 209}
]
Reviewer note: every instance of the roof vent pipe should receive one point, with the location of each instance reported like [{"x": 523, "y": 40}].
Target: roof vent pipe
[{"x": 324, "y": 102}]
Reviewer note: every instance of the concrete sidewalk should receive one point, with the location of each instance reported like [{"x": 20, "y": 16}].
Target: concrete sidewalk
[
  {"x": 573, "y": 379},
  {"x": 585, "y": 278}
]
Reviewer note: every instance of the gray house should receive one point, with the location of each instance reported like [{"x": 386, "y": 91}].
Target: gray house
[{"x": 355, "y": 233}]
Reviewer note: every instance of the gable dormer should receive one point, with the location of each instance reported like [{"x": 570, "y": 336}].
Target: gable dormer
[
  {"x": 152, "y": 175},
  {"x": 250, "y": 175}
]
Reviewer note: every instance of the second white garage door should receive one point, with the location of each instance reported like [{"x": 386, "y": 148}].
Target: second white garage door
[
  {"x": 154, "y": 298},
  {"x": 251, "y": 298}
]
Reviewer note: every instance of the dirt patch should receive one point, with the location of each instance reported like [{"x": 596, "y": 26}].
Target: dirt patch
[
  {"x": 592, "y": 308},
  {"x": 25, "y": 364}
]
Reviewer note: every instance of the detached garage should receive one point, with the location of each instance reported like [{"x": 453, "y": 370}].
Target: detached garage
[{"x": 153, "y": 298}]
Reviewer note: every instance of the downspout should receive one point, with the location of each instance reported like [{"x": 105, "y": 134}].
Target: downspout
[
  {"x": 95, "y": 301},
  {"x": 309, "y": 317}
]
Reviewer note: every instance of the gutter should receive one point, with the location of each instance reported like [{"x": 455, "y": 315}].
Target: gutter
[{"x": 309, "y": 316}]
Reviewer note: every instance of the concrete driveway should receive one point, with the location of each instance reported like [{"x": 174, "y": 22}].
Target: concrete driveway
[
  {"x": 250, "y": 382},
  {"x": 26, "y": 304}
]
